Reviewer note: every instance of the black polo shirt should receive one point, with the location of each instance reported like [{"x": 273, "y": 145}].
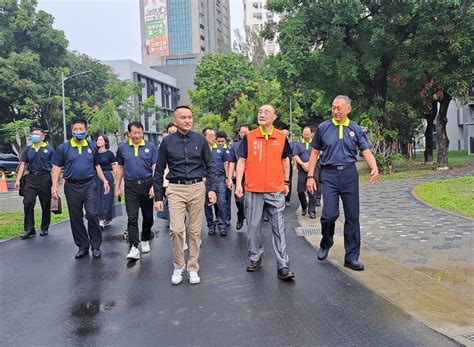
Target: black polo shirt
[
  {"x": 38, "y": 159},
  {"x": 188, "y": 157},
  {"x": 106, "y": 160},
  {"x": 137, "y": 160},
  {"x": 78, "y": 162}
]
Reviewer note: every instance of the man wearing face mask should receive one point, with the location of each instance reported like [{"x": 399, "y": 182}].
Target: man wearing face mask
[
  {"x": 35, "y": 164},
  {"x": 79, "y": 160}
]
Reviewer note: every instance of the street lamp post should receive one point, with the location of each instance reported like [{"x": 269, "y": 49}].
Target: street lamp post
[{"x": 64, "y": 106}]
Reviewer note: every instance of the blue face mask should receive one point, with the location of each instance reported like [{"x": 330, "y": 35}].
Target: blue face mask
[
  {"x": 80, "y": 136},
  {"x": 36, "y": 139}
]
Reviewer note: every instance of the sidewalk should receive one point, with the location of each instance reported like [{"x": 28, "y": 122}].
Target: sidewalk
[{"x": 418, "y": 257}]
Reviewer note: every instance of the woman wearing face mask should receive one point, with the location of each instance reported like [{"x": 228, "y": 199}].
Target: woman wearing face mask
[
  {"x": 107, "y": 162},
  {"x": 36, "y": 166}
]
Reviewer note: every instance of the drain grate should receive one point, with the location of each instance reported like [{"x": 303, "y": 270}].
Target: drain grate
[
  {"x": 303, "y": 231},
  {"x": 469, "y": 336}
]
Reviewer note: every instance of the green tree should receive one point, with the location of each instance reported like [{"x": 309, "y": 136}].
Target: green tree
[{"x": 16, "y": 133}]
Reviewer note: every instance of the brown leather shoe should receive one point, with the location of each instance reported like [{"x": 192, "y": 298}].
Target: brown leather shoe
[
  {"x": 285, "y": 275},
  {"x": 254, "y": 265}
]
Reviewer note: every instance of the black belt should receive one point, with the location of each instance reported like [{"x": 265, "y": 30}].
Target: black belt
[
  {"x": 337, "y": 167},
  {"x": 139, "y": 182},
  {"x": 79, "y": 181},
  {"x": 185, "y": 181},
  {"x": 37, "y": 173}
]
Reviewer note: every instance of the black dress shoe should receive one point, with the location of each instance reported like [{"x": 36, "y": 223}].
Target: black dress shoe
[
  {"x": 312, "y": 215},
  {"x": 223, "y": 232},
  {"x": 44, "y": 232},
  {"x": 211, "y": 231},
  {"x": 265, "y": 219},
  {"x": 318, "y": 202},
  {"x": 323, "y": 253},
  {"x": 28, "y": 234},
  {"x": 239, "y": 225},
  {"x": 303, "y": 212},
  {"x": 354, "y": 265},
  {"x": 82, "y": 253},
  {"x": 96, "y": 253},
  {"x": 285, "y": 275},
  {"x": 254, "y": 265}
]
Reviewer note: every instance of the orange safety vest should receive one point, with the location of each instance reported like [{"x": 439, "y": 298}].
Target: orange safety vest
[{"x": 263, "y": 167}]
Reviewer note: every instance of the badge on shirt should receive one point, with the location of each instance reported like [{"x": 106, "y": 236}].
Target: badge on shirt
[
  {"x": 147, "y": 150},
  {"x": 352, "y": 133},
  {"x": 89, "y": 150},
  {"x": 45, "y": 150},
  {"x": 218, "y": 151}
]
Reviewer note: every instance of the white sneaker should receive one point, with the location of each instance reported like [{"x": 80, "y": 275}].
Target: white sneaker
[
  {"x": 101, "y": 223},
  {"x": 106, "y": 223},
  {"x": 134, "y": 254},
  {"x": 145, "y": 246},
  {"x": 185, "y": 247},
  {"x": 177, "y": 276},
  {"x": 194, "y": 277}
]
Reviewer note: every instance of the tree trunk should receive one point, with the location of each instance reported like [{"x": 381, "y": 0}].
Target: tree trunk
[
  {"x": 430, "y": 117},
  {"x": 442, "y": 136}
]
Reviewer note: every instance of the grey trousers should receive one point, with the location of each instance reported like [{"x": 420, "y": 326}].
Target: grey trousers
[{"x": 275, "y": 204}]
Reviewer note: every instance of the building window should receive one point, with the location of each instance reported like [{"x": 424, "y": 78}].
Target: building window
[
  {"x": 181, "y": 61},
  {"x": 257, "y": 15},
  {"x": 179, "y": 27}
]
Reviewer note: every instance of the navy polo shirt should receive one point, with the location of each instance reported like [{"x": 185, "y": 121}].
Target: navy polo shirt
[
  {"x": 137, "y": 161},
  {"x": 337, "y": 150},
  {"x": 77, "y": 162},
  {"x": 38, "y": 159},
  {"x": 106, "y": 160},
  {"x": 234, "y": 150},
  {"x": 302, "y": 150},
  {"x": 220, "y": 155}
]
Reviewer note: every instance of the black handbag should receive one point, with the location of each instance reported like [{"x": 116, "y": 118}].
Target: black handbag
[{"x": 56, "y": 206}]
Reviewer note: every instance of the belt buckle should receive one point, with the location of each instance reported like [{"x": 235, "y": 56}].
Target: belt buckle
[
  {"x": 340, "y": 167},
  {"x": 140, "y": 182}
]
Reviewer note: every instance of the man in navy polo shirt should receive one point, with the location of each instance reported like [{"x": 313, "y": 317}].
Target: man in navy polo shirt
[
  {"x": 220, "y": 162},
  {"x": 78, "y": 158},
  {"x": 233, "y": 158},
  {"x": 136, "y": 161},
  {"x": 338, "y": 140},
  {"x": 301, "y": 153},
  {"x": 221, "y": 140},
  {"x": 36, "y": 166}
]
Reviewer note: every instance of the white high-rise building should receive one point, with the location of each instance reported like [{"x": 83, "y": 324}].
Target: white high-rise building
[{"x": 255, "y": 17}]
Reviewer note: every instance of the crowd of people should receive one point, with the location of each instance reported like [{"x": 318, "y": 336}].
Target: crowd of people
[{"x": 190, "y": 175}]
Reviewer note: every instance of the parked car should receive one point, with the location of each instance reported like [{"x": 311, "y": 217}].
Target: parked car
[{"x": 8, "y": 164}]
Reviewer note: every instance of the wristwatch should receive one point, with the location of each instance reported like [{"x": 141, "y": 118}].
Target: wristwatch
[{"x": 308, "y": 177}]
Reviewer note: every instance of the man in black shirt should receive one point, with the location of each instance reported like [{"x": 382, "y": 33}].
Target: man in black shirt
[{"x": 189, "y": 160}]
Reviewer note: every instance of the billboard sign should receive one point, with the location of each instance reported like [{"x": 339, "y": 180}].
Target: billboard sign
[{"x": 156, "y": 27}]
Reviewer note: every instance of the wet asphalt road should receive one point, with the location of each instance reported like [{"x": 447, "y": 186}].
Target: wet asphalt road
[{"x": 49, "y": 298}]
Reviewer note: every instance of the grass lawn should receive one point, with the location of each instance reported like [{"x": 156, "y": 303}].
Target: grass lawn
[
  {"x": 416, "y": 167},
  {"x": 454, "y": 195},
  {"x": 11, "y": 223}
]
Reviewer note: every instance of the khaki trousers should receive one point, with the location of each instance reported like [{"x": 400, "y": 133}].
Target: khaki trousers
[{"x": 181, "y": 199}]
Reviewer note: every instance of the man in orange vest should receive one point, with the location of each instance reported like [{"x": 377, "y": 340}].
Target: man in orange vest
[{"x": 264, "y": 158}]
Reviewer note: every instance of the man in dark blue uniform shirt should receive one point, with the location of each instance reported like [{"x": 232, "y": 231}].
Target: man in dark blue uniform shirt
[
  {"x": 78, "y": 158},
  {"x": 221, "y": 139},
  {"x": 301, "y": 153},
  {"x": 339, "y": 140},
  {"x": 220, "y": 162},
  {"x": 36, "y": 166},
  {"x": 233, "y": 158},
  {"x": 136, "y": 161}
]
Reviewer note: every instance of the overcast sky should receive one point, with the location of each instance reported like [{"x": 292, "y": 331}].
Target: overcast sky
[{"x": 108, "y": 29}]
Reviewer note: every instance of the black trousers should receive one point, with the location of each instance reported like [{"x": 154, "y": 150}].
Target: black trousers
[
  {"x": 310, "y": 203},
  {"x": 239, "y": 202},
  {"x": 37, "y": 186},
  {"x": 81, "y": 196},
  {"x": 344, "y": 184},
  {"x": 137, "y": 196}
]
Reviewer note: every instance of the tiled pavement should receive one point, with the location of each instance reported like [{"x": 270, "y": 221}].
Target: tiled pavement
[{"x": 400, "y": 227}]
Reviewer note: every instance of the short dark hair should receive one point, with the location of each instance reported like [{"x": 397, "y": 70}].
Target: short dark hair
[
  {"x": 135, "y": 124},
  {"x": 126, "y": 134},
  {"x": 170, "y": 124},
  {"x": 221, "y": 134},
  {"x": 244, "y": 126},
  {"x": 311, "y": 128},
  {"x": 204, "y": 131},
  {"x": 79, "y": 121},
  {"x": 36, "y": 128},
  {"x": 106, "y": 140},
  {"x": 182, "y": 106}
]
